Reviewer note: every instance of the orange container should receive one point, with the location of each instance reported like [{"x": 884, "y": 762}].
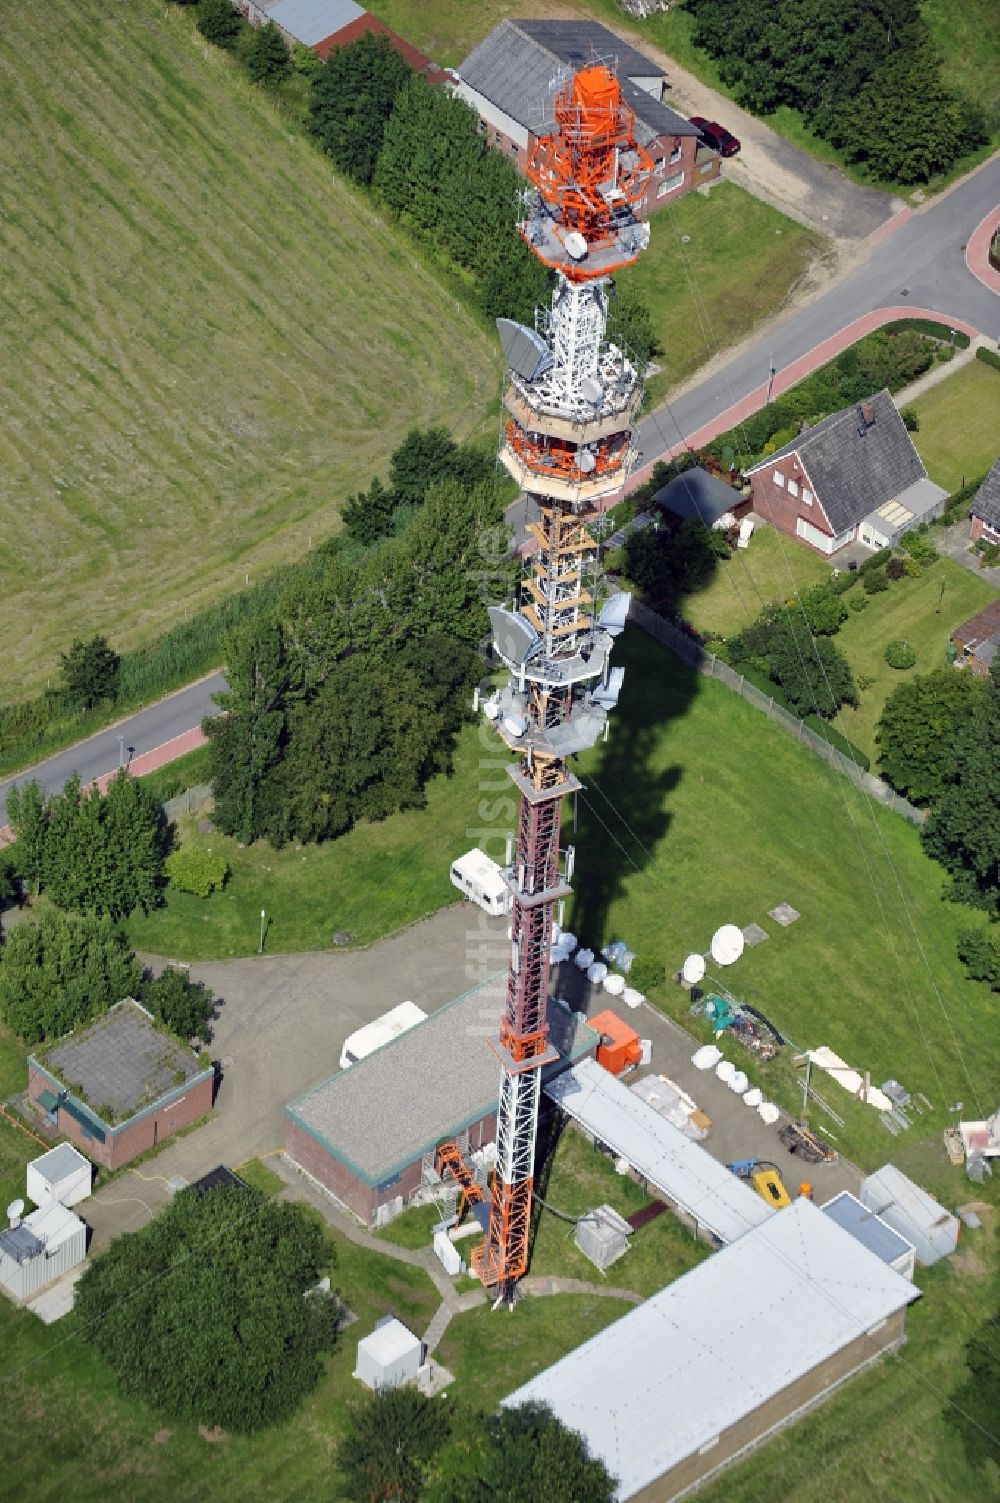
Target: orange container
[{"x": 619, "y": 1046}]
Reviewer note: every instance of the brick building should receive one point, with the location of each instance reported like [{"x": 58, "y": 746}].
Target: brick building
[
  {"x": 326, "y": 24},
  {"x": 120, "y": 1085},
  {"x": 855, "y": 476},
  {"x": 368, "y": 1134},
  {"x": 511, "y": 78},
  {"x": 978, "y": 639},
  {"x": 986, "y": 509}
]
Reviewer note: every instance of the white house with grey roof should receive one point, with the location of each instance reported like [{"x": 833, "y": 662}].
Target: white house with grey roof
[
  {"x": 512, "y": 77},
  {"x": 854, "y": 477}
]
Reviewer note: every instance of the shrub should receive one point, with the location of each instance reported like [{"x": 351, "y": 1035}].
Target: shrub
[
  {"x": 988, "y": 357},
  {"x": 878, "y": 558},
  {"x": 989, "y": 555},
  {"x": 979, "y": 951},
  {"x": 194, "y": 869},
  {"x": 864, "y": 681},
  {"x": 859, "y": 602},
  {"x": 844, "y": 581},
  {"x": 646, "y": 973},
  {"x": 833, "y": 736},
  {"x": 265, "y": 56},
  {"x": 911, "y": 568},
  {"x": 900, "y": 654},
  {"x": 894, "y": 569},
  {"x": 875, "y": 581},
  {"x": 911, "y": 421},
  {"x": 219, "y": 22},
  {"x": 90, "y": 673},
  {"x": 919, "y": 546}
]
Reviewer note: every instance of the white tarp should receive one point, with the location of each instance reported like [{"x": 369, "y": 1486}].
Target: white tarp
[{"x": 852, "y": 1082}]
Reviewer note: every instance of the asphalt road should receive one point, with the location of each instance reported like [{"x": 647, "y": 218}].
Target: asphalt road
[
  {"x": 143, "y": 732},
  {"x": 920, "y": 265}
]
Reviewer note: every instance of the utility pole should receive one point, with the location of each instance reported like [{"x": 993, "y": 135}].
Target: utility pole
[
  {"x": 121, "y": 752},
  {"x": 263, "y": 922},
  {"x": 571, "y": 399},
  {"x": 771, "y": 373}
]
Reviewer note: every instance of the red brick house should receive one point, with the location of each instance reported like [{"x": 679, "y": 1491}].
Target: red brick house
[
  {"x": 854, "y": 477},
  {"x": 986, "y": 509},
  {"x": 978, "y": 639},
  {"x": 120, "y": 1085},
  {"x": 511, "y": 78},
  {"x": 326, "y": 24}
]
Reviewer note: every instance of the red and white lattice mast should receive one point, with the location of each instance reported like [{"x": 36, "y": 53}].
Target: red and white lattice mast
[{"x": 571, "y": 399}]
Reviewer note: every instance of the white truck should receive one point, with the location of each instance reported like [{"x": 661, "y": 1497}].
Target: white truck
[{"x": 384, "y": 1029}]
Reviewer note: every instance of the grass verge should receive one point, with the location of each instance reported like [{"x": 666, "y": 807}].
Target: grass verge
[{"x": 959, "y": 425}]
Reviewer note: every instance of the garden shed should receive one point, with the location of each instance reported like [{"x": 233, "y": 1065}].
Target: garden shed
[
  {"x": 911, "y": 1212},
  {"x": 391, "y": 1355},
  {"x": 62, "y": 1174}
]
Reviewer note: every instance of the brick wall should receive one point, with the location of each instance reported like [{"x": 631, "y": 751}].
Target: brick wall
[
  {"x": 774, "y": 502},
  {"x": 694, "y": 173},
  {"x": 126, "y": 1142},
  {"x": 981, "y": 529}
]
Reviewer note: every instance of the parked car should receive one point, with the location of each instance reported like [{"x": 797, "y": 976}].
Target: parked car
[{"x": 716, "y": 136}]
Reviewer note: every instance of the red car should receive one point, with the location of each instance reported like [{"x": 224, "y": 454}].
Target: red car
[{"x": 716, "y": 136}]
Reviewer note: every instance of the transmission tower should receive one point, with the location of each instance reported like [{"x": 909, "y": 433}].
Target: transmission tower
[{"x": 571, "y": 398}]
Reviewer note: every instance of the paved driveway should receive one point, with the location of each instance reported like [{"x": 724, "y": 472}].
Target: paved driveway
[
  {"x": 281, "y": 1028},
  {"x": 954, "y": 541}
]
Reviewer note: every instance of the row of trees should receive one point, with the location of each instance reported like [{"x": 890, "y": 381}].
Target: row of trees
[
  {"x": 345, "y": 698},
  {"x": 424, "y": 457},
  {"x": 64, "y": 970},
  {"x": 91, "y": 853},
  {"x": 422, "y": 152},
  {"x": 863, "y": 74}
]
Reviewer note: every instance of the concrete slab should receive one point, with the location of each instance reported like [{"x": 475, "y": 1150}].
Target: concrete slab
[
  {"x": 57, "y": 1300},
  {"x": 784, "y": 914},
  {"x": 754, "y": 934}
]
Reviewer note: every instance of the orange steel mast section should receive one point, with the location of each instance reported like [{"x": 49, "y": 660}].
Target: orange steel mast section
[{"x": 571, "y": 398}]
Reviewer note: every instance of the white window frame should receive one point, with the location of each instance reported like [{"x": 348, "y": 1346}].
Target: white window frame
[
  {"x": 793, "y": 486},
  {"x": 807, "y": 495},
  {"x": 778, "y": 478},
  {"x": 670, "y": 185},
  {"x": 675, "y": 155}
]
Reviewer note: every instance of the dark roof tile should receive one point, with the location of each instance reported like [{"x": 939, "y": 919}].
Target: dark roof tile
[{"x": 987, "y": 501}]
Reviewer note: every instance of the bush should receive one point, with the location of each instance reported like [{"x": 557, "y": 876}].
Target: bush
[
  {"x": 919, "y": 546},
  {"x": 911, "y": 421},
  {"x": 864, "y": 681},
  {"x": 875, "y": 581},
  {"x": 90, "y": 673},
  {"x": 844, "y": 581},
  {"x": 183, "y": 1006},
  {"x": 219, "y": 22},
  {"x": 646, "y": 973},
  {"x": 265, "y": 56},
  {"x": 859, "y": 602},
  {"x": 911, "y": 568},
  {"x": 900, "y": 654},
  {"x": 877, "y": 559},
  {"x": 988, "y": 357},
  {"x": 894, "y": 569},
  {"x": 194, "y": 869},
  {"x": 979, "y": 951}
]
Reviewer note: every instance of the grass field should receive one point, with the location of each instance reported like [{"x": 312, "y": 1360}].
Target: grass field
[
  {"x": 774, "y": 567},
  {"x": 209, "y": 340},
  {"x": 959, "y": 434},
  {"x": 966, "y": 35},
  {"x": 920, "y": 611},
  {"x": 740, "y": 265}
]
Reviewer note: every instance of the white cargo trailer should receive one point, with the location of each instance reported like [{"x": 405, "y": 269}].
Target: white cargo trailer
[{"x": 480, "y": 879}]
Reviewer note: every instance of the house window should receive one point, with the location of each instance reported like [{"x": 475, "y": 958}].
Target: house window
[
  {"x": 671, "y": 185},
  {"x": 658, "y": 165},
  {"x": 793, "y": 487},
  {"x": 807, "y": 496},
  {"x": 675, "y": 155},
  {"x": 778, "y": 478},
  {"x": 991, "y": 532}
]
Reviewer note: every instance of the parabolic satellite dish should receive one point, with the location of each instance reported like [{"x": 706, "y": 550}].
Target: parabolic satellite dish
[
  {"x": 693, "y": 969},
  {"x": 576, "y": 245},
  {"x": 585, "y": 461},
  {"x": 727, "y": 944},
  {"x": 14, "y": 1211}
]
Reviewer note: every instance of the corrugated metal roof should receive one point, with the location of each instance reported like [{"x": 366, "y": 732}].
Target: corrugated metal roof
[
  {"x": 890, "y": 1187},
  {"x": 312, "y": 21},
  {"x": 987, "y": 502},
  {"x": 434, "y": 1080},
  {"x": 671, "y": 1376},
  {"x": 677, "y": 1166},
  {"x": 869, "y": 1229}
]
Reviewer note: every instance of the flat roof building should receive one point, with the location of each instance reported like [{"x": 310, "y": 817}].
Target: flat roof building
[
  {"x": 119, "y": 1085},
  {"x": 872, "y": 1232},
  {"x": 364, "y": 1133},
  {"x": 62, "y": 1174},
  {"x": 714, "y": 1363}
]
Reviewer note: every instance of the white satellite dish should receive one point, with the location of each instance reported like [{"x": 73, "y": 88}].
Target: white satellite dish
[
  {"x": 576, "y": 245},
  {"x": 14, "y": 1213},
  {"x": 727, "y": 944},
  {"x": 592, "y": 391},
  {"x": 585, "y": 461},
  {"x": 693, "y": 969}
]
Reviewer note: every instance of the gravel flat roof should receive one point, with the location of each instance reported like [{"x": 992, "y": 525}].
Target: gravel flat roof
[
  {"x": 428, "y": 1084},
  {"x": 121, "y": 1063}
]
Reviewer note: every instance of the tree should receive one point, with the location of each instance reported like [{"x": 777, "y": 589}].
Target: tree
[
  {"x": 922, "y": 729},
  {"x": 630, "y": 327},
  {"x": 246, "y": 740},
  {"x": 823, "y": 609},
  {"x": 193, "y": 869},
  {"x": 979, "y": 951},
  {"x": 209, "y": 1313},
  {"x": 266, "y": 56},
  {"x": 28, "y": 813},
  {"x": 812, "y": 671},
  {"x": 392, "y": 1436},
  {"x": 185, "y": 1007},
  {"x": 351, "y": 99},
  {"x": 530, "y": 1454},
  {"x": 63, "y": 971},
  {"x": 219, "y": 22},
  {"x": 963, "y": 832},
  {"x": 90, "y": 673},
  {"x": 977, "y": 1398}
]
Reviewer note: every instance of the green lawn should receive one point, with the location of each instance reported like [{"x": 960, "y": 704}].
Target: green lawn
[
  {"x": 699, "y": 811},
  {"x": 412, "y": 1229},
  {"x": 209, "y": 340},
  {"x": 920, "y": 611},
  {"x": 959, "y": 434},
  {"x": 774, "y": 567},
  {"x": 966, "y": 35},
  {"x": 739, "y": 266},
  {"x": 582, "y": 1178},
  {"x": 261, "y": 1177}
]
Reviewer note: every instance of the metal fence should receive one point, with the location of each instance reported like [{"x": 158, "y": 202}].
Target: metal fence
[
  {"x": 188, "y": 802},
  {"x": 695, "y": 656}
]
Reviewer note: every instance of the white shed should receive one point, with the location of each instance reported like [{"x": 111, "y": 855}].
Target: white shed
[
  {"x": 391, "y": 1355},
  {"x": 479, "y": 877},
  {"x": 42, "y": 1247},
  {"x": 911, "y": 1212},
  {"x": 62, "y": 1174}
]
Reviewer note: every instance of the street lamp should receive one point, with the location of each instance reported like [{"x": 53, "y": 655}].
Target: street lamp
[
  {"x": 121, "y": 752},
  {"x": 771, "y": 373},
  {"x": 263, "y": 920}
]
